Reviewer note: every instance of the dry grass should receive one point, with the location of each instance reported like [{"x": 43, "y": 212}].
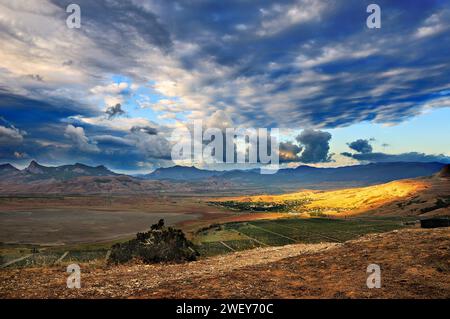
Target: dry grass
[
  {"x": 414, "y": 264},
  {"x": 345, "y": 201}
]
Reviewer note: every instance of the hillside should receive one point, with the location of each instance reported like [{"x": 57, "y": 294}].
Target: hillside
[
  {"x": 445, "y": 172},
  {"x": 414, "y": 263},
  {"x": 111, "y": 185},
  {"x": 421, "y": 196}
]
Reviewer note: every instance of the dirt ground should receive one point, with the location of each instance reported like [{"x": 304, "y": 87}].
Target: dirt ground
[
  {"x": 73, "y": 219},
  {"x": 415, "y": 263}
]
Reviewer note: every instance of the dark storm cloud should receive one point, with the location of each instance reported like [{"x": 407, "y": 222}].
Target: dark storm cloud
[
  {"x": 117, "y": 24},
  {"x": 361, "y": 146},
  {"x": 115, "y": 110},
  {"x": 36, "y": 113},
  {"x": 316, "y": 144},
  {"x": 144, "y": 129},
  {"x": 33, "y": 127},
  {"x": 312, "y": 63},
  {"x": 328, "y": 54},
  {"x": 404, "y": 157},
  {"x": 36, "y": 77},
  {"x": 112, "y": 141},
  {"x": 289, "y": 152},
  {"x": 302, "y": 63}
]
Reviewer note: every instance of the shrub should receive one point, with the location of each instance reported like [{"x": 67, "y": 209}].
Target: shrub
[{"x": 159, "y": 244}]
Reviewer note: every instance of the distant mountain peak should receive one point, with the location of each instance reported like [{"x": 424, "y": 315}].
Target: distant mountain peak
[
  {"x": 33, "y": 163},
  {"x": 8, "y": 167},
  {"x": 64, "y": 172},
  {"x": 35, "y": 168}
]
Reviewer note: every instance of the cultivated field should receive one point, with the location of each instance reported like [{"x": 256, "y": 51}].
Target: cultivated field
[
  {"x": 217, "y": 240},
  {"x": 277, "y": 232}
]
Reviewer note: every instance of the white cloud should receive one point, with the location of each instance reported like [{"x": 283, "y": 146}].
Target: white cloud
[
  {"x": 280, "y": 17},
  {"x": 10, "y": 135},
  {"x": 113, "y": 88},
  {"x": 433, "y": 25},
  {"x": 79, "y": 138}
]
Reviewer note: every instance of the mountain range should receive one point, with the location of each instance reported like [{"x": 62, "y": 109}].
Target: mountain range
[
  {"x": 35, "y": 171},
  {"x": 99, "y": 179},
  {"x": 304, "y": 175}
]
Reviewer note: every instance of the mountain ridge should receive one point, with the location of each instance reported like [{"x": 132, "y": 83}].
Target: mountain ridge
[
  {"x": 373, "y": 172},
  {"x": 36, "y": 171},
  {"x": 37, "y": 178}
]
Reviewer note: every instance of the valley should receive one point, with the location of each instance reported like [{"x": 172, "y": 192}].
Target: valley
[{"x": 47, "y": 232}]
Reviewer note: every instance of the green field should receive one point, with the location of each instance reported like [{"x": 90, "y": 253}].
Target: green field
[
  {"x": 245, "y": 235},
  {"x": 220, "y": 239}
]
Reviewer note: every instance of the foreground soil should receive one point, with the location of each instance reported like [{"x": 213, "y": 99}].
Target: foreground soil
[{"x": 415, "y": 263}]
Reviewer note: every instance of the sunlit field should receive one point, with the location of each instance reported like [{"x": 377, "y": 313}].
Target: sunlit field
[{"x": 320, "y": 203}]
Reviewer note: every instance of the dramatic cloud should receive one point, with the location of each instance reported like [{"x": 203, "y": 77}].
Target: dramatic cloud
[
  {"x": 80, "y": 140},
  {"x": 290, "y": 64},
  {"x": 316, "y": 144},
  {"x": 220, "y": 120},
  {"x": 144, "y": 129},
  {"x": 20, "y": 155},
  {"x": 115, "y": 110},
  {"x": 361, "y": 146},
  {"x": 10, "y": 135},
  {"x": 113, "y": 88},
  {"x": 365, "y": 154},
  {"x": 404, "y": 157},
  {"x": 152, "y": 146},
  {"x": 36, "y": 77},
  {"x": 289, "y": 152},
  {"x": 112, "y": 141}
]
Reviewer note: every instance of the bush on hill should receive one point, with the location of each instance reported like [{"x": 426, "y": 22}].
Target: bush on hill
[{"x": 159, "y": 244}]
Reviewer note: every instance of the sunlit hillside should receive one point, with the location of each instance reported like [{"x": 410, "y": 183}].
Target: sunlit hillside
[{"x": 345, "y": 201}]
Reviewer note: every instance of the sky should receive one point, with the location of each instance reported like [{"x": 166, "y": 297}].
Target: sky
[{"x": 112, "y": 91}]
